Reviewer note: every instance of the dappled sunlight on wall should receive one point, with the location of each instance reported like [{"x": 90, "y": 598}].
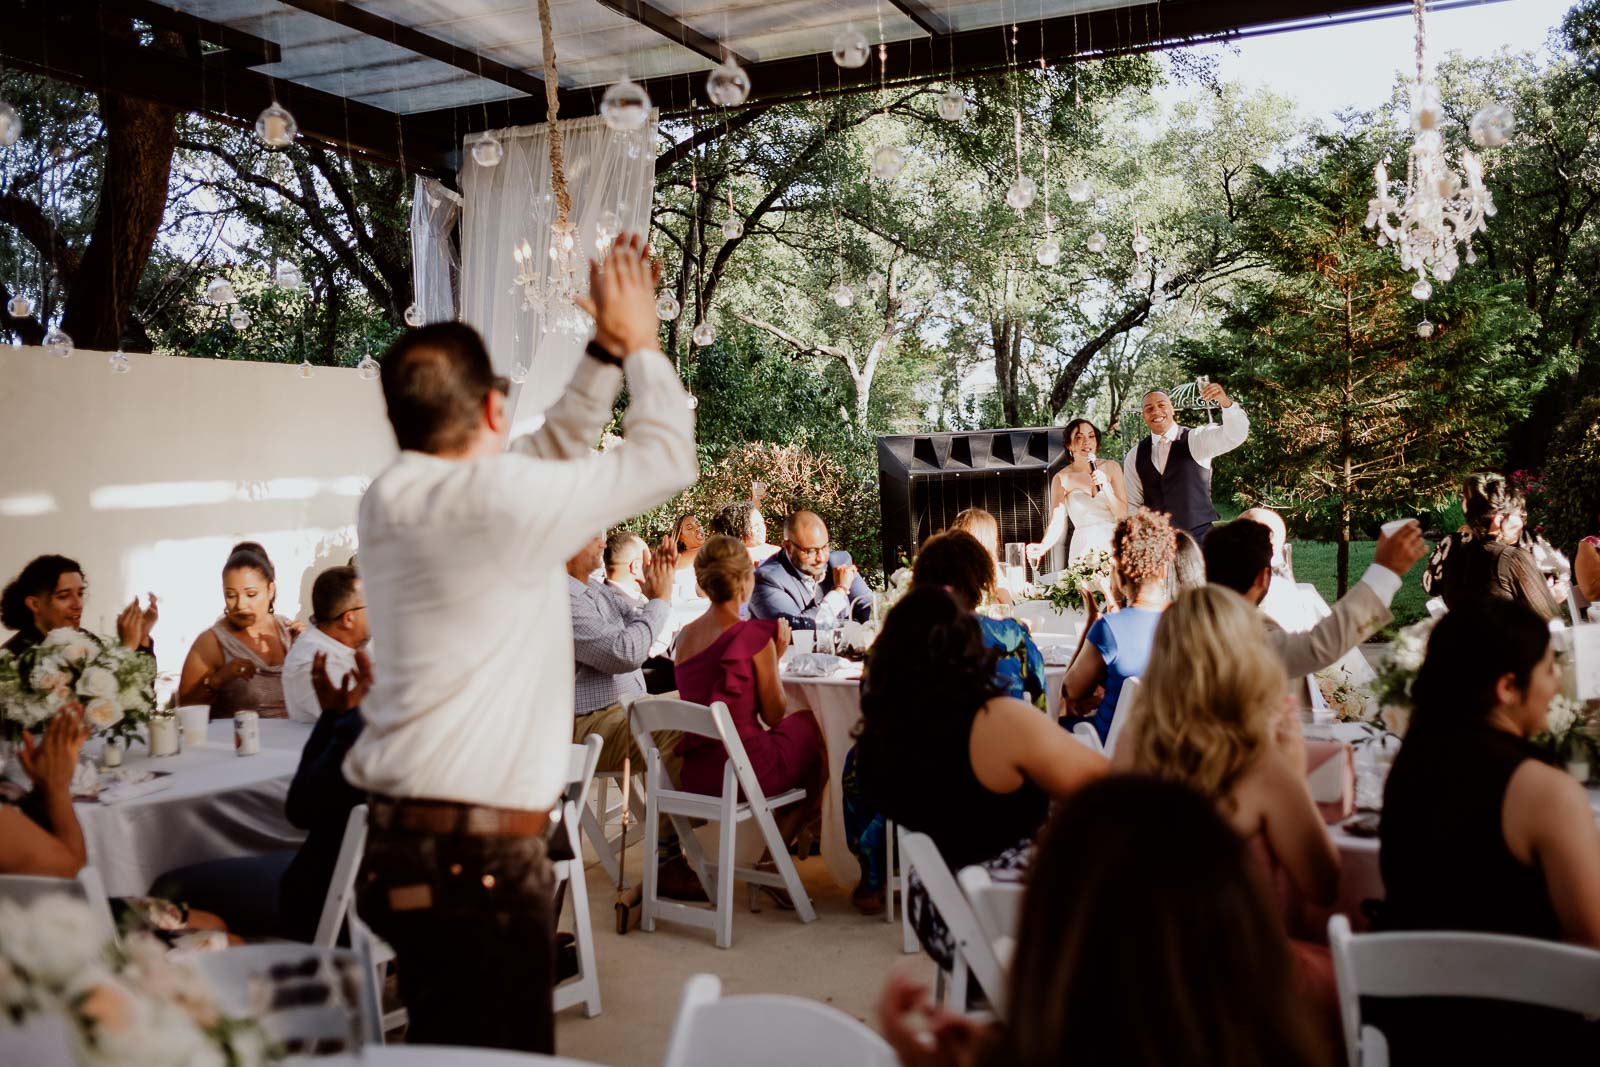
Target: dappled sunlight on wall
[{"x": 148, "y": 478}]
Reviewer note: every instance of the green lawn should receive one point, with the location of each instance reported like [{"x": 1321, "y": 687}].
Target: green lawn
[{"x": 1317, "y": 562}]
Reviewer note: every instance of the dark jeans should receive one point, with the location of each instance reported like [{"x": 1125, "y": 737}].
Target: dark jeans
[{"x": 472, "y": 923}]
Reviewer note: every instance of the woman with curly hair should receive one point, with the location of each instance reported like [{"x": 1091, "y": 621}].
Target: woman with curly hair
[
  {"x": 942, "y": 751},
  {"x": 1116, "y": 646}
]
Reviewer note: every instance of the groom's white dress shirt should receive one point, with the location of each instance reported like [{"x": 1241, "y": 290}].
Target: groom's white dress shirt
[
  {"x": 463, "y": 564},
  {"x": 1206, "y": 443}
]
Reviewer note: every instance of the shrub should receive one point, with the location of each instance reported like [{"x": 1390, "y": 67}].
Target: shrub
[{"x": 1571, "y": 498}]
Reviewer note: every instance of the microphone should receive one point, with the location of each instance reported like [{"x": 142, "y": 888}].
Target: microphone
[{"x": 1093, "y": 489}]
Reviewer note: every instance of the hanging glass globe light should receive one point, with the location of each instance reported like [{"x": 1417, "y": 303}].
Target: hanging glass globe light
[
  {"x": 519, "y": 374},
  {"x": 625, "y": 106},
  {"x": 850, "y": 48},
  {"x": 1492, "y": 125},
  {"x": 219, "y": 291},
  {"x": 1422, "y": 290},
  {"x": 606, "y": 228},
  {"x": 887, "y": 162},
  {"x": 667, "y": 307},
  {"x": 1096, "y": 242},
  {"x": 1140, "y": 244},
  {"x": 368, "y": 369},
  {"x": 732, "y": 228},
  {"x": 728, "y": 85},
  {"x": 57, "y": 343},
  {"x": 1048, "y": 252},
  {"x": 286, "y": 276},
  {"x": 487, "y": 151},
  {"x": 874, "y": 282},
  {"x": 306, "y": 369},
  {"x": 10, "y": 125},
  {"x": 240, "y": 319},
  {"x": 1080, "y": 191},
  {"x": 415, "y": 317},
  {"x": 842, "y": 294},
  {"x": 693, "y": 402},
  {"x": 1424, "y": 329},
  {"x": 1140, "y": 279},
  {"x": 20, "y": 307},
  {"x": 276, "y": 127},
  {"x": 119, "y": 364},
  {"x": 703, "y": 334},
  {"x": 1020, "y": 196},
  {"x": 952, "y": 105}
]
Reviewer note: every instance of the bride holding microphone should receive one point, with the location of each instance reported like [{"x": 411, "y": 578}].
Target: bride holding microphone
[{"x": 1087, "y": 491}]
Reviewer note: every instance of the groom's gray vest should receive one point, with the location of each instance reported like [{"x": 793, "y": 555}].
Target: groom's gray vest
[{"x": 1183, "y": 490}]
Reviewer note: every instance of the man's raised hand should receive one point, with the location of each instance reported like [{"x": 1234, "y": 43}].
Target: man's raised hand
[{"x": 621, "y": 298}]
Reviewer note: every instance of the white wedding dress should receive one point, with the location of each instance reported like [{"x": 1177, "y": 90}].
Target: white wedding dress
[{"x": 1092, "y": 523}]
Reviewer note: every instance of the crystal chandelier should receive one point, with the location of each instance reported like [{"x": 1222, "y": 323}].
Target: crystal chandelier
[{"x": 1440, "y": 209}]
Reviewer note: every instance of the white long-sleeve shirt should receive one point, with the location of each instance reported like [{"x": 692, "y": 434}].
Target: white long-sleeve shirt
[
  {"x": 463, "y": 567},
  {"x": 1206, "y": 443}
]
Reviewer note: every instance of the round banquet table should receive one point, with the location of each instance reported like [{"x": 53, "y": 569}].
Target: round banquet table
[
  {"x": 836, "y": 702},
  {"x": 436, "y": 1056},
  {"x": 215, "y": 805}
]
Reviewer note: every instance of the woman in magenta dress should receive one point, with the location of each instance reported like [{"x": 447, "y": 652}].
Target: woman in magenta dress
[{"x": 722, "y": 657}]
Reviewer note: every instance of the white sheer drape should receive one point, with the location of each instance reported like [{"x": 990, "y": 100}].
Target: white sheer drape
[
  {"x": 607, "y": 172},
  {"x": 434, "y": 266}
]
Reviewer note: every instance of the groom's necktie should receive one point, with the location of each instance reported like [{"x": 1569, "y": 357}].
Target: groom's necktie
[{"x": 1158, "y": 454}]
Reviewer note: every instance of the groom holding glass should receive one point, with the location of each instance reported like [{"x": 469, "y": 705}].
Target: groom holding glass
[{"x": 1170, "y": 470}]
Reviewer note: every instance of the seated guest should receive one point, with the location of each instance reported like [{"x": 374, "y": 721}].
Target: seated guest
[
  {"x": 1210, "y": 714},
  {"x": 1115, "y": 646},
  {"x": 743, "y": 522},
  {"x": 1188, "y": 566},
  {"x": 1239, "y": 557},
  {"x": 339, "y": 627},
  {"x": 1514, "y": 530},
  {"x": 626, "y": 560},
  {"x": 1138, "y": 884},
  {"x": 955, "y": 562},
  {"x": 944, "y": 752},
  {"x": 806, "y": 582},
  {"x": 687, "y": 535},
  {"x": 986, "y": 529},
  {"x": 53, "y": 845},
  {"x": 721, "y": 657},
  {"x": 1284, "y": 604},
  {"x": 1480, "y": 833},
  {"x": 1477, "y": 490},
  {"x": 237, "y": 665},
  {"x": 49, "y": 594}
]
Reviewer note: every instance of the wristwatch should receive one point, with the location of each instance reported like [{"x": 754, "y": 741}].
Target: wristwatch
[{"x": 602, "y": 353}]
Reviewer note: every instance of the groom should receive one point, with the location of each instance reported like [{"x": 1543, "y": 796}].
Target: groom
[{"x": 1171, "y": 469}]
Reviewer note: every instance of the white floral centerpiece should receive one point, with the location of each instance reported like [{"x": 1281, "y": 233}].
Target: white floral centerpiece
[
  {"x": 1397, "y": 673},
  {"x": 115, "y": 684},
  {"x": 127, "y": 1005},
  {"x": 1093, "y": 569}
]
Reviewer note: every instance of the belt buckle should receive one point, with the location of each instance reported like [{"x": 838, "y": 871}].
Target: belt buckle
[{"x": 481, "y": 822}]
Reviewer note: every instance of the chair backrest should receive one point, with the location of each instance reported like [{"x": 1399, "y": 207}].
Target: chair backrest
[
  {"x": 365, "y": 944},
  {"x": 1454, "y": 964},
  {"x": 581, "y": 762},
  {"x": 1119, "y": 718},
  {"x": 24, "y": 889},
  {"x": 654, "y": 714},
  {"x": 920, "y": 853},
  {"x": 997, "y": 907},
  {"x": 1089, "y": 736},
  {"x": 341, "y": 887},
  {"x": 263, "y": 981},
  {"x": 775, "y": 1030}
]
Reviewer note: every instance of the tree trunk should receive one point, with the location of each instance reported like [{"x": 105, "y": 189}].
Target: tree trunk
[{"x": 140, "y": 139}]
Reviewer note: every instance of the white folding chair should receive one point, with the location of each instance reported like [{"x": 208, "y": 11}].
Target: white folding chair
[
  {"x": 1119, "y": 718},
  {"x": 774, "y": 1030},
  {"x": 585, "y": 988},
  {"x": 595, "y": 819},
  {"x": 24, "y": 889},
  {"x": 892, "y": 882},
  {"x": 998, "y": 909},
  {"x": 236, "y": 976},
  {"x": 1452, "y": 964},
  {"x": 1086, "y": 733},
  {"x": 338, "y": 908},
  {"x": 908, "y": 936},
  {"x": 654, "y": 714},
  {"x": 974, "y": 955},
  {"x": 1575, "y": 602}
]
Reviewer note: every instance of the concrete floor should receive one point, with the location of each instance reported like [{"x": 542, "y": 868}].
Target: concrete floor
[{"x": 840, "y": 959}]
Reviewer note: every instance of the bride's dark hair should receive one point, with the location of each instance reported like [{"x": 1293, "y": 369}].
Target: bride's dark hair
[{"x": 1073, "y": 426}]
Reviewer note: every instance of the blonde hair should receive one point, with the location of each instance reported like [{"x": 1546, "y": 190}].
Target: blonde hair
[
  {"x": 721, "y": 566},
  {"x": 1204, "y": 710},
  {"x": 982, "y": 525}
]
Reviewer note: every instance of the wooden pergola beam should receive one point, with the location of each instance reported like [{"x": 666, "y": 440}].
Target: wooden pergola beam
[
  {"x": 913, "y": 10},
  {"x": 672, "y": 29}
]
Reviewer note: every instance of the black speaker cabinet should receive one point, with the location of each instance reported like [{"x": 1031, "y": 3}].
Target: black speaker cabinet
[{"x": 925, "y": 480}]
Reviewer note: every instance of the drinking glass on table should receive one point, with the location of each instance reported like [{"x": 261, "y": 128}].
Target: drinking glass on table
[{"x": 1016, "y": 564}]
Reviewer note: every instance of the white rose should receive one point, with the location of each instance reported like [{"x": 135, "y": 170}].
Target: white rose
[
  {"x": 102, "y": 713},
  {"x": 79, "y": 651},
  {"x": 97, "y": 683},
  {"x": 53, "y": 939},
  {"x": 1563, "y": 713},
  {"x": 60, "y": 637},
  {"x": 48, "y": 674}
]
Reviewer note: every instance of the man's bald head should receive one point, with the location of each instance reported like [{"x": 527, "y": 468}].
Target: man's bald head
[{"x": 805, "y": 541}]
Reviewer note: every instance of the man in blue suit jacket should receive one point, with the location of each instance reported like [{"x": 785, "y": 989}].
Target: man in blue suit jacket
[{"x": 806, "y": 576}]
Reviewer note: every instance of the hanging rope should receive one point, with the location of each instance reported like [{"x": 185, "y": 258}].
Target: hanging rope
[{"x": 558, "y": 170}]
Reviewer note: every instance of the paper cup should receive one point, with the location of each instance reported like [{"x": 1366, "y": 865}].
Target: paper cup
[
  {"x": 163, "y": 736},
  {"x": 802, "y": 641},
  {"x": 192, "y": 722},
  {"x": 1388, "y": 529}
]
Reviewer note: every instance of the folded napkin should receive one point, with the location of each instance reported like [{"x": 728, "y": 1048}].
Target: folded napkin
[
  {"x": 1331, "y": 768},
  {"x": 1057, "y": 655},
  {"x": 135, "y": 785},
  {"x": 812, "y": 664}
]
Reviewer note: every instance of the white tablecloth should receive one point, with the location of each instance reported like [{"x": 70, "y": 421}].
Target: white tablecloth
[
  {"x": 836, "y": 702},
  {"x": 436, "y": 1056},
  {"x": 218, "y": 805}
]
